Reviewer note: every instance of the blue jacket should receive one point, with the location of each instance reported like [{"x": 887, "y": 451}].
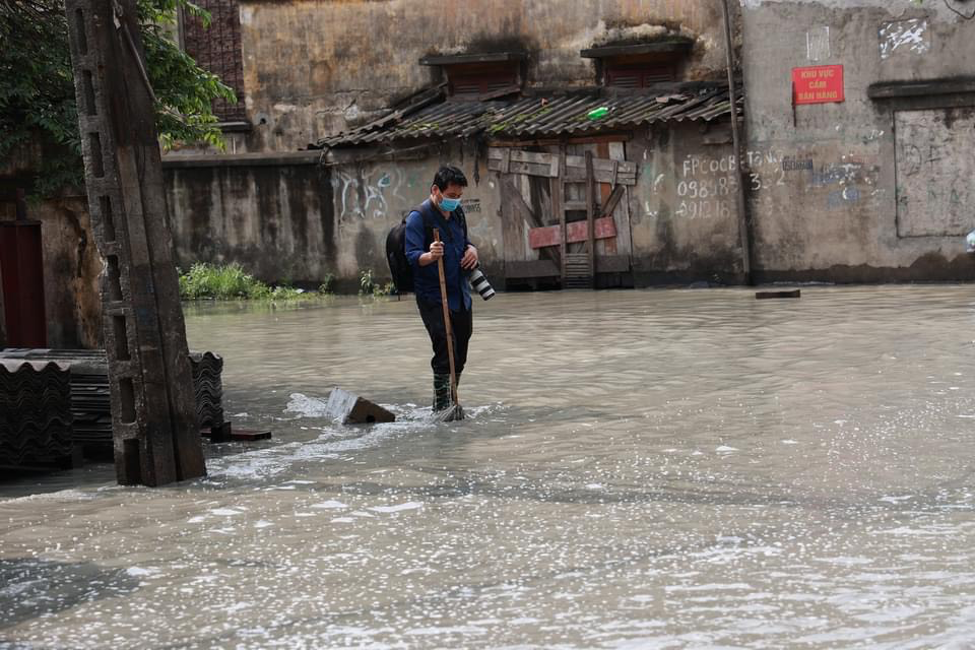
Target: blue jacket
[{"x": 417, "y": 242}]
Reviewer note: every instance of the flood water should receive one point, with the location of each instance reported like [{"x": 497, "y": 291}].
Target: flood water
[{"x": 641, "y": 469}]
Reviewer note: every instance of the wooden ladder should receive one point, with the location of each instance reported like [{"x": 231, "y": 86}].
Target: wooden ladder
[{"x": 577, "y": 270}]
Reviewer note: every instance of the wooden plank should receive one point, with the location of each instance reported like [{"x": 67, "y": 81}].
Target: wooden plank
[
  {"x": 533, "y": 157},
  {"x": 603, "y": 167},
  {"x": 611, "y": 203},
  {"x": 516, "y": 210},
  {"x": 520, "y": 206},
  {"x": 250, "y": 435},
  {"x": 604, "y": 228},
  {"x": 504, "y": 162},
  {"x": 603, "y": 151},
  {"x": 504, "y": 159},
  {"x": 579, "y": 175},
  {"x": 513, "y": 223},
  {"x": 766, "y": 295},
  {"x": 561, "y": 211},
  {"x": 546, "y": 236},
  {"x": 530, "y": 168},
  {"x": 620, "y": 211}
]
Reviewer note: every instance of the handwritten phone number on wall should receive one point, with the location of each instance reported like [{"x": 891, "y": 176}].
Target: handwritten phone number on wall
[
  {"x": 704, "y": 189},
  {"x": 703, "y": 209}
]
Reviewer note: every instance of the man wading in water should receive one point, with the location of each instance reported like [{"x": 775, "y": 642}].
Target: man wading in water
[{"x": 442, "y": 210}]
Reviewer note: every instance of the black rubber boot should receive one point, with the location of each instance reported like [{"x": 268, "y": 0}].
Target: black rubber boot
[{"x": 442, "y": 392}]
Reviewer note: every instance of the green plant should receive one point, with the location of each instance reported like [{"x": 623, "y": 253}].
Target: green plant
[
  {"x": 328, "y": 284},
  {"x": 366, "y": 282},
  {"x": 370, "y": 287}
]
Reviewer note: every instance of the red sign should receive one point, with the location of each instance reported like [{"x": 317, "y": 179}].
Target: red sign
[{"x": 819, "y": 84}]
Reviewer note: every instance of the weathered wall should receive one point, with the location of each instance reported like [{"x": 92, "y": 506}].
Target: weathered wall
[
  {"x": 297, "y": 222},
  {"x": 863, "y": 190},
  {"x": 684, "y": 224},
  {"x": 275, "y": 220},
  {"x": 316, "y": 68},
  {"x": 71, "y": 269}
]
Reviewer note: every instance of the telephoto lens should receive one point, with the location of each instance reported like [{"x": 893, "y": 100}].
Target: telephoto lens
[{"x": 480, "y": 283}]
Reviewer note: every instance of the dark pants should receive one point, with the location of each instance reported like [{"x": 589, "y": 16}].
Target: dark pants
[{"x": 461, "y": 329}]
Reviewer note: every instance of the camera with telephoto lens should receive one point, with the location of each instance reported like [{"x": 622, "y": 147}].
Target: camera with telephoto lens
[{"x": 480, "y": 283}]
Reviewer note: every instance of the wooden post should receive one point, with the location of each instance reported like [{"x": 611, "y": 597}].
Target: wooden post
[
  {"x": 591, "y": 248},
  {"x": 559, "y": 194},
  {"x": 746, "y": 235},
  {"x": 154, "y": 422}
]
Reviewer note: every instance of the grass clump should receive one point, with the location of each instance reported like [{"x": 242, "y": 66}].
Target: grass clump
[
  {"x": 220, "y": 282},
  {"x": 230, "y": 282}
]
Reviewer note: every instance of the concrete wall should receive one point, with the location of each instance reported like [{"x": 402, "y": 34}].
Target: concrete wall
[
  {"x": 316, "y": 68},
  {"x": 275, "y": 220},
  {"x": 829, "y": 196},
  {"x": 297, "y": 222},
  {"x": 684, "y": 225},
  {"x": 71, "y": 271}
]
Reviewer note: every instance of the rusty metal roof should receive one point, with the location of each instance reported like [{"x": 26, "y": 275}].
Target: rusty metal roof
[{"x": 539, "y": 116}]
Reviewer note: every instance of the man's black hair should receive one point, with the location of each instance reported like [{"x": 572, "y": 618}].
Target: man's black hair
[{"x": 449, "y": 175}]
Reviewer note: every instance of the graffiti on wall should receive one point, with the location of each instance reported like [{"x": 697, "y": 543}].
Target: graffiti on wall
[
  {"x": 376, "y": 193},
  {"x": 909, "y": 36}
]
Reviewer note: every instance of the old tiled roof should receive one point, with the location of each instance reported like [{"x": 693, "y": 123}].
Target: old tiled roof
[{"x": 538, "y": 116}]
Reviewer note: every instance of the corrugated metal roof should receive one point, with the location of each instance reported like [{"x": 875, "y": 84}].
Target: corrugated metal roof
[{"x": 539, "y": 116}]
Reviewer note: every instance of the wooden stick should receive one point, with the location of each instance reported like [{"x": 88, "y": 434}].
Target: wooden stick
[{"x": 447, "y": 323}]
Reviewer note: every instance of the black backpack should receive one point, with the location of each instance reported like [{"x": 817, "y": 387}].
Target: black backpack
[{"x": 400, "y": 268}]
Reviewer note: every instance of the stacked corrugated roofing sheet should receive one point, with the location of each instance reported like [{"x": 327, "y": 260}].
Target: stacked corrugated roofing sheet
[
  {"x": 207, "y": 368},
  {"x": 35, "y": 414},
  {"x": 540, "y": 116},
  {"x": 90, "y": 401}
]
